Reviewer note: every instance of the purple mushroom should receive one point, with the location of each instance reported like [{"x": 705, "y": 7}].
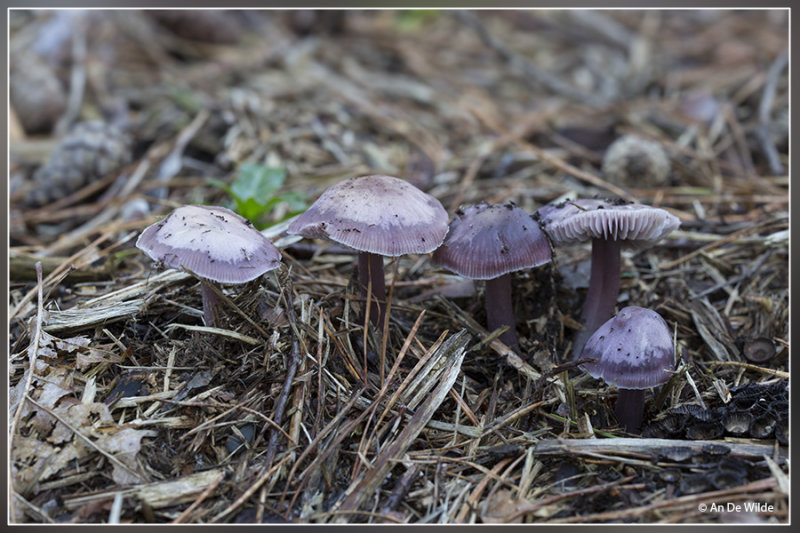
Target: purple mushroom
[
  {"x": 633, "y": 352},
  {"x": 378, "y": 216},
  {"x": 214, "y": 243},
  {"x": 609, "y": 224},
  {"x": 489, "y": 242}
]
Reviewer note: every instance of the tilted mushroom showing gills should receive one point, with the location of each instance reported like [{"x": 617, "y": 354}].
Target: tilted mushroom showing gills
[
  {"x": 610, "y": 225},
  {"x": 215, "y": 244},
  {"x": 377, "y": 216},
  {"x": 489, "y": 242},
  {"x": 634, "y": 352}
]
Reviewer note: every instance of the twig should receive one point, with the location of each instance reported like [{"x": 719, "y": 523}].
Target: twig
[
  {"x": 400, "y": 489},
  {"x": 172, "y": 164},
  {"x": 280, "y": 404},
  {"x": 33, "y": 351},
  {"x": 778, "y": 373},
  {"x": 645, "y": 446}
]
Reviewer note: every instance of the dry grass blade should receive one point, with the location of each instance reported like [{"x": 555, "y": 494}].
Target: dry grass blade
[
  {"x": 33, "y": 350},
  {"x": 216, "y": 331},
  {"x": 647, "y": 446},
  {"x": 58, "y": 271},
  {"x": 75, "y": 319},
  {"x": 769, "y": 371},
  {"x": 766, "y": 225},
  {"x": 158, "y": 495},
  {"x": 452, "y": 352}
]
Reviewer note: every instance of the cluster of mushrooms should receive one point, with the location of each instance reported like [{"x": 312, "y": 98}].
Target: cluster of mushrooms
[{"x": 385, "y": 216}]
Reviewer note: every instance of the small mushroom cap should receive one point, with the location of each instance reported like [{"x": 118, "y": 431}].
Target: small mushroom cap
[
  {"x": 635, "y": 161},
  {"x": 633, "y": 350},
  {"x": 486, "y": 241},
  {"x": 377, "y": 214},
  {"x": 212, "y": 242},
  {"x": 638, "y": 225}
]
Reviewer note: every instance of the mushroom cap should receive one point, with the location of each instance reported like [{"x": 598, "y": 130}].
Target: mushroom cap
[
  {"x": 633, "y": 350},
  {"x": 636, "y": 225},
  {"x": 377, "y": 214},
  {"x": 212, "y": 242},
  {"x": 486, "y": 241}
]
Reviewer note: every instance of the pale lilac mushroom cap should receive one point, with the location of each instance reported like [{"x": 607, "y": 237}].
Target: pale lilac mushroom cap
[
  {"x": 376, "y": 214},
  {"x": 212, "y": 242},
  {"x": 636, "y": 225},
  {"x": 633, "y": 350},
  {"x": 489, "y": 242},
  {"x": 486, "y": 241}
]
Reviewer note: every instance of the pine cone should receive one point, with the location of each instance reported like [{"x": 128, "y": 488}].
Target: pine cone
[{"x": 91, "y": 150}]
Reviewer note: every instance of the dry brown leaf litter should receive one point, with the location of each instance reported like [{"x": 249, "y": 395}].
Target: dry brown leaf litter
[{"x": 134, "y": 413}]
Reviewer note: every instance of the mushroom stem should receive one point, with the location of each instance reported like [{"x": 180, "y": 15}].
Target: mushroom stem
[
  {"x": 370, "y": 267},
  {"x": 498, "y": 308},
  {"x": 603, "y": 290},
  {"x": 630, "y": 409},
  {"x": 211, "y": 303}
]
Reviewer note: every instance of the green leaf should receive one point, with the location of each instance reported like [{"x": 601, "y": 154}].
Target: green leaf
[
  {"x": 254, "y": 193},
  {"x": 257, "y": 182},
  {"x": 250, "y": 209}
]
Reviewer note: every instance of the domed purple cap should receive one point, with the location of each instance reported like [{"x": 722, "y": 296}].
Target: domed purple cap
[
  {"x": 486, "y": 241},
  {"x": 637, "y": 225},
  {"x": 212, "y": 242},
  {"x": 376, "y": 214},
  {"x": 633, "y": 350}
]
